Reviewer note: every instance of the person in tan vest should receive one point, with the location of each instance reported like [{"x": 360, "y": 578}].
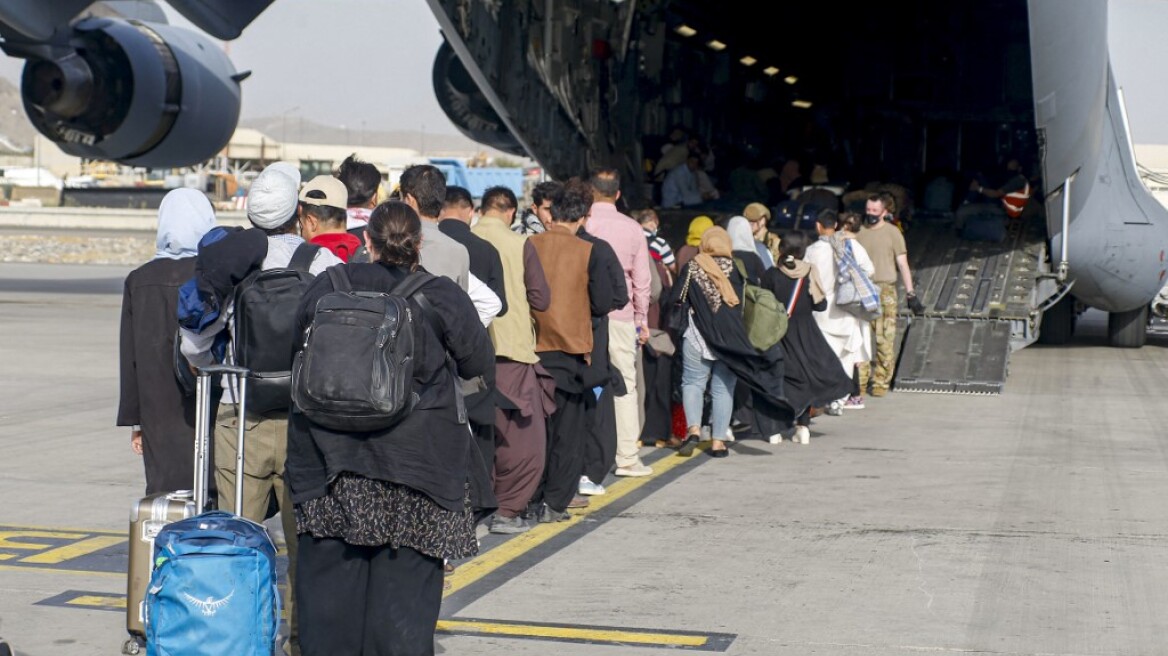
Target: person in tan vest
[
  {"x": 526, "y": 390},
  {"x": 565, "y": 342}
]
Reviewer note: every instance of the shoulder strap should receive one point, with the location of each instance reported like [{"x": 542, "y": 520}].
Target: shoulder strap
[
  {"x": 741, "y": 269},
  {"x": 410, "y": 286},
  {"x": 688, "y": 277},
  {"x": 339, "y": 276},
  {"x": 303, "y": 256},
  {"x": 794, "y": 296},
  {"x": 411, "y": 283}
]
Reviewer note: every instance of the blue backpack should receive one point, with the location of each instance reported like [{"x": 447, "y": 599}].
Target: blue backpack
[{"x": 213, "y": 588}]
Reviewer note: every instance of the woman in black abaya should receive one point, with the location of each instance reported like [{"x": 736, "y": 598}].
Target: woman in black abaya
[{"x": 812, "y": 377}]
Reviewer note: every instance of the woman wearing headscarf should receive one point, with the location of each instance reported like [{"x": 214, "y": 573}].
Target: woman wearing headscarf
[
  {"x": 715, "y": 347},
  {"x": 744, "y": 248},
  {"x": 693, "y": 239},
  {"x": 152, "y": 402},
  {"x": 811, "y": 377}
]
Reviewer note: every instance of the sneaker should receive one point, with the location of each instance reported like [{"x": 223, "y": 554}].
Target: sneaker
[
  {"x": 588, "y": 488},
  {"x": 802, "y": 435},
  {"x": 549, "y": 516},
  {"x": 854, "y": 403},
  {"x": 835, "y": 409},
  {"x": 729, "y": 435},
  {"x": 578, "y": 502},
  {"x": 639, "y": 469},
  {"x": 705, "y": 434},
  {"x": 777, "y": 438},
  {"x": 508, "y": 525}
]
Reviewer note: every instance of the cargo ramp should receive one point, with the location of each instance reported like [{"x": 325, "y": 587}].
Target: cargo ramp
[{"x": 983, "y": 300}]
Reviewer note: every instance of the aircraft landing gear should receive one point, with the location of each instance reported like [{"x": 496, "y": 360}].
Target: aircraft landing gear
[{"x": 1128, "y": 329}]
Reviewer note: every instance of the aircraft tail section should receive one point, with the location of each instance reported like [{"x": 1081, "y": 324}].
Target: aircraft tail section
[{"x": 1112, "y": 220}]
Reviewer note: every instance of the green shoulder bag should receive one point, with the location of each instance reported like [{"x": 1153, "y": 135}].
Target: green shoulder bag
[{"x": 764, "y": 315}]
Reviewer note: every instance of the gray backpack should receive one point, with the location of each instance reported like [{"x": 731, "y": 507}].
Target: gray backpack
[{"x": 355, "y": 372}]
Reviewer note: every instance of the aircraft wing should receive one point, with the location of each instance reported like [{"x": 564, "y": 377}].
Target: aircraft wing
[
  {"x": 222, "y": 19},
  {"x": 36, "y": 20}
]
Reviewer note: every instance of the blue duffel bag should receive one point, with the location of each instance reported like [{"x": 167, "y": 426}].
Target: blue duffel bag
[{"x": 213, "y": 588}]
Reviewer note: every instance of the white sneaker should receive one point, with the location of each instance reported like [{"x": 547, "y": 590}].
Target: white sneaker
[
  {"x": 589, "y": 489},
  {"x": 802, "y": 435},
  {"x": 777, "y": 438},
  {"x": 729, "y": 435},
  {"x": 633, "y": 471},
  {"x": 705, "y": 434}
]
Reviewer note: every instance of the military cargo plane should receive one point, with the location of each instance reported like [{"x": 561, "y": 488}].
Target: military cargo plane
[{"x": 892, "y": 91}]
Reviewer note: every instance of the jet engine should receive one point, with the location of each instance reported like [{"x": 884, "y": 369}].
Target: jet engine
[
  {"x": 143, "y": 94},
  {"x": 467, "y": 106}
]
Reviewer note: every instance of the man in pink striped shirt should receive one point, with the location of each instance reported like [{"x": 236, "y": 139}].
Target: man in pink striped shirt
[{"x": 627, "y": 327}]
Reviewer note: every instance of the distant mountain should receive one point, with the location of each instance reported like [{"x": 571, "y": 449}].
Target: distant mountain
[{"x": 300, "y": 130}]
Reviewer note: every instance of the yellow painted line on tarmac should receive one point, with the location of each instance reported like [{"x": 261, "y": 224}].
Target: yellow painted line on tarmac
[
  {"x": 74, "y": 550},
  {"x": 8, "y": 538},
  {"x": 99, "y": 601},
  {"x": 58, "y": 529},
  {"x": 581, "y": 634},
  {"x": 7, "y": 556},
  {"x": 471, "y": 571},
  {"x": 60, "y": 570}
]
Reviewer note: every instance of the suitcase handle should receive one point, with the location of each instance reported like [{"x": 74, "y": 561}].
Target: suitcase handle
[
  {"x": 214, "y": 369},
  {"x": 204, "y": 433}
]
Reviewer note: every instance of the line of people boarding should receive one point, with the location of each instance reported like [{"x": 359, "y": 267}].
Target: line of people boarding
[{"x": 544, "y": 353}]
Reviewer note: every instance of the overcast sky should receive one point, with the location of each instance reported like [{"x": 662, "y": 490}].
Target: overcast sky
[{"x": 344, "y": 62}]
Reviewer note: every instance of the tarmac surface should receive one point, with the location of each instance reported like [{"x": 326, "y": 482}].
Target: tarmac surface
[{"x": 1033, "y": 522}]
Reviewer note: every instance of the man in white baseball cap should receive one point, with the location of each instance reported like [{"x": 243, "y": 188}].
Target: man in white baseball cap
[{"x": 322, "y": 212}]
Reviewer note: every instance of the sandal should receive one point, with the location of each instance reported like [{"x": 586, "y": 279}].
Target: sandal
[{"x": 687, "y": 447}]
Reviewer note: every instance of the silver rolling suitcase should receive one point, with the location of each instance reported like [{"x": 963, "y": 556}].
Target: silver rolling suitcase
[{"x": 149, "y": 514}]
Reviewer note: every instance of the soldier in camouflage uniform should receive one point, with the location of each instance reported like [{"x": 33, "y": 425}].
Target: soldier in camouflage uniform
[
  {"x": 759, "y": 216},
  {"x": 885, "y": 245}
]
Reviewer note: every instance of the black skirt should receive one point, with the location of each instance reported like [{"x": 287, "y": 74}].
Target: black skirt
[{"x": 813, "y": 377}]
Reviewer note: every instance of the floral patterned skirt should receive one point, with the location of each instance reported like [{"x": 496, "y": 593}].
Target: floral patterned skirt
[{"x": 371, "y": 513}]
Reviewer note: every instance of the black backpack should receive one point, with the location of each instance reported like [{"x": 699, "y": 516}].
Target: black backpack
[
  {"x": 355, "y": 372},
  {"x": 265, "y": 328}
]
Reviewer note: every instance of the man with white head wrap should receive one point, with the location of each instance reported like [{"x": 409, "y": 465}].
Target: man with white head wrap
[
  {"x": 152, "y": 402},
  {"x": 271, "y": 207}
]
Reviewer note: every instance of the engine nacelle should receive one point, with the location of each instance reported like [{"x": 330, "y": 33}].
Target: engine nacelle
[
  {"x": 142, "y": 94},
  {"x": 467, "y": 107}
]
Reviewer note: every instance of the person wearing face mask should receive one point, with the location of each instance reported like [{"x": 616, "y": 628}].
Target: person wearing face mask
[{"x": 885, "y": 245}]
